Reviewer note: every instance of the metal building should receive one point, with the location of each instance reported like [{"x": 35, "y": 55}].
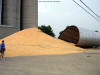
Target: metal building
[
  {"x": 80, "y": 36},
  {"x": 16, "y": 15}
]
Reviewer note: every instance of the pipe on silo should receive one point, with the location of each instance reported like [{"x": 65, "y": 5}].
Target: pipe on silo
[{"x": 80, "y": 36}]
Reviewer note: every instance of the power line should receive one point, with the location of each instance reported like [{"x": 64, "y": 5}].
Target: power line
[
  {"x": 48, "y": 1},
  {"x": 86, "y": 11},
  {"x": 90, "y": 9}
]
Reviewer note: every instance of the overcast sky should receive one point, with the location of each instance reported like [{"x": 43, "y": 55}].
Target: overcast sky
[{"x": 66, "y": 12}]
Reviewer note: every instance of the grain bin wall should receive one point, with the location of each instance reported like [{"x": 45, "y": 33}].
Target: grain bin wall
[
  {"x": 80, "y": 36},
  {"x": 29, "y": 13}
]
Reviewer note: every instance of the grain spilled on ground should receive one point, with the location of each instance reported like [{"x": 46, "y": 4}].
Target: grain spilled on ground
[{"x": 30, "y": 42}]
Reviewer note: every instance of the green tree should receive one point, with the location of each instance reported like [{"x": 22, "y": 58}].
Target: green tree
[{"x": 47, "y": 29}]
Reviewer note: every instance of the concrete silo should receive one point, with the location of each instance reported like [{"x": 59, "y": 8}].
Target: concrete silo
[{"x": 17, "y": 15}]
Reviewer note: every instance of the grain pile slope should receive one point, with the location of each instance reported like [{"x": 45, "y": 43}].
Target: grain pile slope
[{"x": 32, "y": 41}]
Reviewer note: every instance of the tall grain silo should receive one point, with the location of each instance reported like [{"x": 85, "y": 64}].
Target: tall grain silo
[
  {"x": 29, "y": 13},
  {"x": 16, "y": 15}
]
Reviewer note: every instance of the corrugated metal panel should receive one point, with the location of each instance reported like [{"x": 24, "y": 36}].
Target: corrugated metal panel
[
  {"x": 85, "y": 37},
  {"x": 88, "y": 37}
]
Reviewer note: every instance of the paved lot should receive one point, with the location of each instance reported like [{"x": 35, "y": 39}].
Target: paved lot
[{"x": 86, "y": 63}]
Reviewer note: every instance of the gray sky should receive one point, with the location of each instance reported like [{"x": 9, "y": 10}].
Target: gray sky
[{"x": 66, "y": 12}]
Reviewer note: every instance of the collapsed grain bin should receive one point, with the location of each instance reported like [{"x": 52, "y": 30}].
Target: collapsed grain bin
[
  {"x": 33, "y": 42},
  {"x": 80, "y": 36}
]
